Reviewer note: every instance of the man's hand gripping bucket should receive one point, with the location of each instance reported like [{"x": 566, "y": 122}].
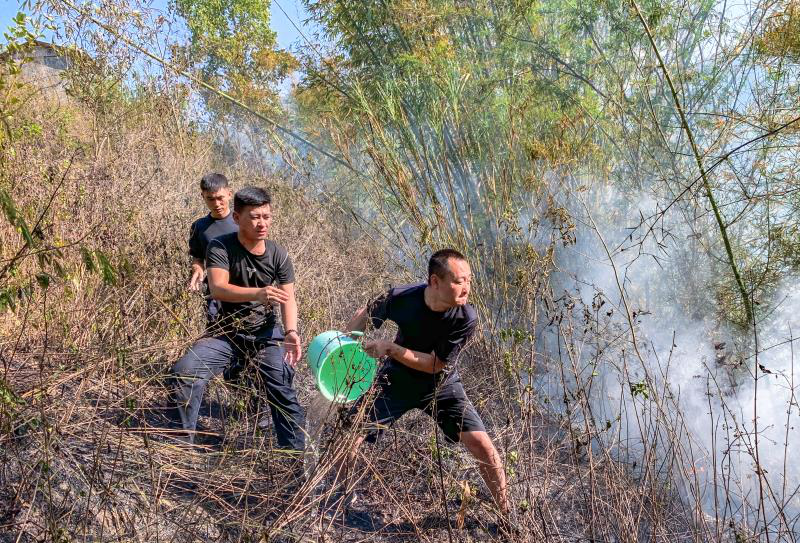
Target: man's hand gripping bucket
[{"x": 341, "y": 368}]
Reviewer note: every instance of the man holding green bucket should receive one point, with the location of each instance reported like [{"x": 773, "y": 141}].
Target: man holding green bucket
[{"x": 434, "y": 322}]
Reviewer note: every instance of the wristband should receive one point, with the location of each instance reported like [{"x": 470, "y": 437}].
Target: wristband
[{"x": 290, "y": 330}]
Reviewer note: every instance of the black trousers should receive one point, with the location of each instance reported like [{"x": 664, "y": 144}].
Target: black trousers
[
  {"x": 401, "y": 389},
  {"x": 211, "y": 356}
]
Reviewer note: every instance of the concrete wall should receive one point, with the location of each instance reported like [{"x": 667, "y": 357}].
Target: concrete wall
[{"x": 43, "y": 68}]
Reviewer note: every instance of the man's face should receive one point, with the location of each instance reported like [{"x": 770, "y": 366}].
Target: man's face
[
  {"x": 218, "y": 202},
  {"x": 254, "y": 222},
  {"x": 453, "y": 289}
]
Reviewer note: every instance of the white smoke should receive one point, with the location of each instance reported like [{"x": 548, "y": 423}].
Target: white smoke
[{"x": 694, "y": 373}]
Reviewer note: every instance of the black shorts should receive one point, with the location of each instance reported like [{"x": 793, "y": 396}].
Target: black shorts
[{"x": 399, "y": 389}]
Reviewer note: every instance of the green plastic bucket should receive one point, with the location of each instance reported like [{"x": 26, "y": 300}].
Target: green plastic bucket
[{"x": 341, "y": 368}]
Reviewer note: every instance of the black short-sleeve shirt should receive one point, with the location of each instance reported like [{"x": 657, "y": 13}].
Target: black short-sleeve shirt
[
  {"x": 419, "y": 327},
  {"x": 205, "y": 229},
  {"x": 248, "y": 270}
]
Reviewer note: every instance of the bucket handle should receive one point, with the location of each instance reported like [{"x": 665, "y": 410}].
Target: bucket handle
[{"x": 354, "y": 334}]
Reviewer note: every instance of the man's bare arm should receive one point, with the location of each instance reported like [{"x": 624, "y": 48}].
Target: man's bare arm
[
  {"x": 425, "y": 362},
  {"x": 289, "y": 315},
  {"x": 222, "y": 289},
  {"x": 358, "y": 322},
  {"x": 289, "y": 307},
  {"x": 198, "y": 269}
]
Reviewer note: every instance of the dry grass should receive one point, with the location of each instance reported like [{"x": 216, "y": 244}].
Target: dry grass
[{"x": 84, "y": 361}]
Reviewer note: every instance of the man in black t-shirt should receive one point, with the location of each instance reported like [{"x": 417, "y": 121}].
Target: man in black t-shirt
[
  {"x": 249, "y": 274},
  {"x": 216, "y": 195},
  {"x": 434, "y": 322}
]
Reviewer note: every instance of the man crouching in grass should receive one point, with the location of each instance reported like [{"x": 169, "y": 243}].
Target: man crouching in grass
[
  {"x": 434, "y": 322},
  {"x": 249, "y": 274}
]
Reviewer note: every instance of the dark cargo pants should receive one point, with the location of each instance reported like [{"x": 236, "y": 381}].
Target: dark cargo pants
[{"x": 211, "y": 356}]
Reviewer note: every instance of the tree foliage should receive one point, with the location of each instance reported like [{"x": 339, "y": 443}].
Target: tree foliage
[
  {"x": 232, "y": 47},
  {"x": 488, "y": 100}
]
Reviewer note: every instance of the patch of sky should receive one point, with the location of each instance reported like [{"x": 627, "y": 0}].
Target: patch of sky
[{"x": 288, "y": 20}]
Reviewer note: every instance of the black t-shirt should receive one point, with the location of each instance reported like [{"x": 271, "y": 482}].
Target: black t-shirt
[
  {"x": 205, "y": 229},
  {"x": 249, "y": 270},
  {"x": 422, "y": 329}
]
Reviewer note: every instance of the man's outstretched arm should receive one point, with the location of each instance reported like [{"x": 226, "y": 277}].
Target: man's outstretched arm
[
  {"x": 416, "y": 360},
  {"x": 425, "y": 362},
  {"x": 358, "y": 322}
]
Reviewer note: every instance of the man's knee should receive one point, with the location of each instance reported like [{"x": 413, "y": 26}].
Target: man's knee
[
  {"x": 186, "y": 365},
  {"x": 195, "y": 357}
]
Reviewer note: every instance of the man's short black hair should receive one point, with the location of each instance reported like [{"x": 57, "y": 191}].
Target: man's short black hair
[
  {"x": 250, "y": 196},
  {"x": 213, "y": 182},
  {"x": 438, "y": 262}
]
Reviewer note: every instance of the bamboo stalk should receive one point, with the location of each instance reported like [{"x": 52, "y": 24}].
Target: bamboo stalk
[{"x": 723, "y": 229}]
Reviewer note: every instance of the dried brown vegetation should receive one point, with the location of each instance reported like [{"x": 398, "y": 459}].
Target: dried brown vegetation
[
  {"x": 97, "y": 196},
  {"x": 108, "y": 194}
]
